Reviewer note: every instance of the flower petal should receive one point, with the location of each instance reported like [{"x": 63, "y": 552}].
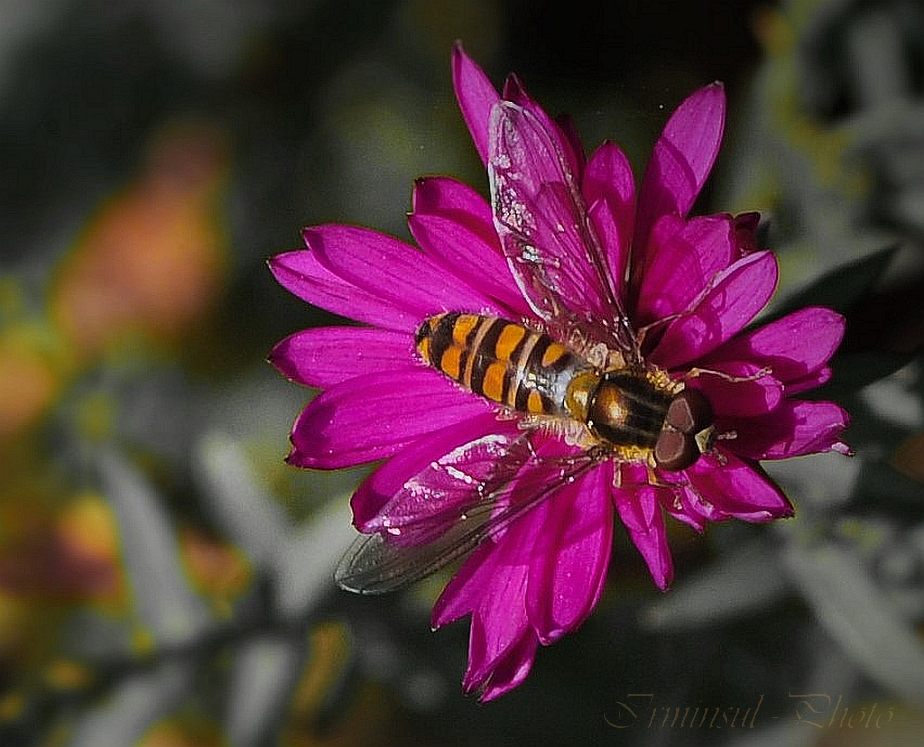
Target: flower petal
[
  {"x": 450, "y": 198},
  {"x": 738, "y": 294},
  {"x": 609, "y": 189},
  {"x": 737, "y": 488},
  {"x": 569, "y": 132},
  {"x": 685, "y": 259},
  {"x": 394, "y": 271},
  {"x": 746, "y": 225},
  {"x": 794, "y": 346},
  {"x": 511, "y": 669},
  {"x": 609, "y": 177},
  {"x": 370, "y": 417},
  {"x": 474, "y": 260},
  {"x": 383, "y": 484},
  {"x": 324, "y": 356},
  {"x": 515, "y": 545},
  {"x": 755, "y": 392},
  {"x": 300, "y": 273},
  {"x": 615, "y": 245},
  {"x": 639, "y": 507},
  {"x": 476, "y": 97},
  {"x": 695, "y": 510},
  {"x": 681, "y": 161},
  {"x": 570, "y": 560},
  {"x": 794, "y": 428},
  {"x": 462, "y": 594},
  {"x": 566, "y": 143},
  {"x": 676, "y": 502},
  {"x": 498, "y": 623},
  {"x": 815, "y": 379}
]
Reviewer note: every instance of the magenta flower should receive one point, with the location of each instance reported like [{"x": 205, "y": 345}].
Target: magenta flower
[{"x": 572, "y": 350}]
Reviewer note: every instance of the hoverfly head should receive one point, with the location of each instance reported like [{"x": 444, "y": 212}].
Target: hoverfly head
[{"x": 688, "y": 431}]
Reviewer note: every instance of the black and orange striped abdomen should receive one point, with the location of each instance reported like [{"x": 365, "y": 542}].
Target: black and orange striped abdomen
[{"x": 503, "y": 361}]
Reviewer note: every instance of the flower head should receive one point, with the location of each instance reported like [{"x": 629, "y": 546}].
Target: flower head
[{"x": 574, "y": 350}]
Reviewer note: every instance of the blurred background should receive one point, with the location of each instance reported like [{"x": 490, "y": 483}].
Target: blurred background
[{"x": 165, "y": 579}]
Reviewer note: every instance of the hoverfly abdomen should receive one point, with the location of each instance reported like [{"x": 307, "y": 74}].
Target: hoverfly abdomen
[{"x": 505, "y": 362}]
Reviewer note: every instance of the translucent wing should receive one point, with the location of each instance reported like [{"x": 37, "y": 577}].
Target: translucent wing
[
  {"x": 550, "y": 243},
  {"x": 474, "y": 492}
]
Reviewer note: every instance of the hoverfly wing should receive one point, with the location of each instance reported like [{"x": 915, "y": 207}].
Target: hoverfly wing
[
  {"x": 413, "y": 532},
  {"x": 372, "y": 566},
  {"x": 463, "y": 515},
  {"x": 550, "y": 243}
]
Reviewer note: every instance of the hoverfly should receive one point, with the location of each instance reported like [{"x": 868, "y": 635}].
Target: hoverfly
[{"x": 581, "y": 375}]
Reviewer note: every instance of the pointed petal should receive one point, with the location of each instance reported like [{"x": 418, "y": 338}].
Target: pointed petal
[
  {"x": 463, "y": 593},
  {"x": 682, "y": 159},
  {"x": 382, "y": 485},
  {"x": 324, "y": 356},
  {"x": 793, "y": 429},
  {"x": 609, "y": 188},
  {"x": 609, "y": 177},
  {"x": 476, "y": 97},
  {"x": 639, "y": 508},
  {"x": 738, "y": 294},
  {"x": 615, "y": 245},
  {"x": 394, "y": 271},
  {"x": 794, "y": 346},
  {"x": 478, "y": 263},
  {"x": 300, "y": 273},
  {"x": 569, "y": 564},
  {"x": 697, "y": 509},
  {"x": 746, "y": 225},
  {"x": 511, "y": 669},
  {"x": 737, "y": 488},
  {"x": 499, "y": 620},
  {"x": 371, "y": 417},
  {"x": 450, "y": 198},
  {"x": 685, "y": 259},
  {"x": 676, "y": 502},
  {"x": 569, "y": 132},
  {"x": 813, "y": 380},
  {"x": 568, "y": 144}
]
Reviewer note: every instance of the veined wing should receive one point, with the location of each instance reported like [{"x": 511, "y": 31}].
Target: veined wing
[
  {"x": 474, "y": 492},
  {"x": 551, "y": 245}
]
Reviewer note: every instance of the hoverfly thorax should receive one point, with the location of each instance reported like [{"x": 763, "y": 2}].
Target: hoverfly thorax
[
  {"x": 628, "y": 408},
  {"x": 632, "y": 413}
]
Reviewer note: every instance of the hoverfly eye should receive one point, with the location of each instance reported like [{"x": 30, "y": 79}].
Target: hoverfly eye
[
  {"x": 675, "y": 451},
  {"x": 689, "y": 412}
]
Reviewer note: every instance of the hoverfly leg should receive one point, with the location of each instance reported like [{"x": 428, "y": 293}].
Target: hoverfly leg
[
  {"x": 656, "y": 482},
  {"x": 643, "y": 331},
  {"x": 697, "y": 372}
]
